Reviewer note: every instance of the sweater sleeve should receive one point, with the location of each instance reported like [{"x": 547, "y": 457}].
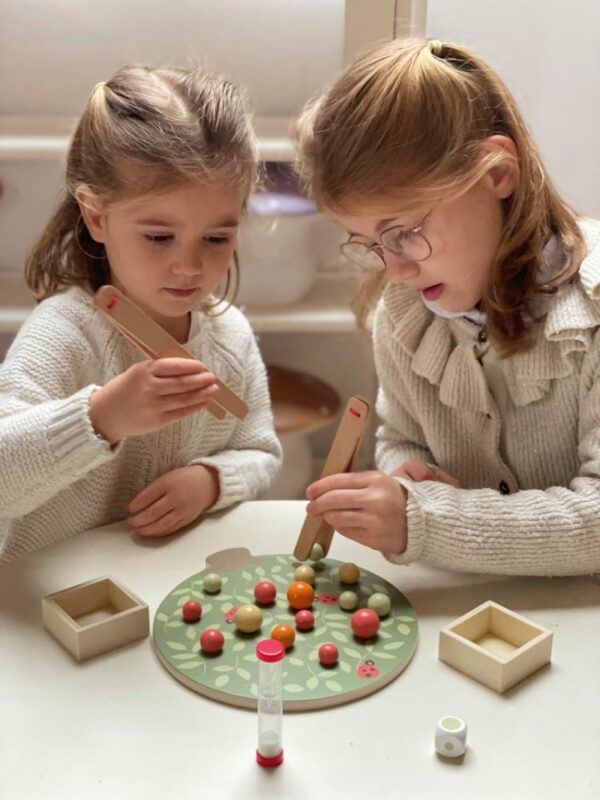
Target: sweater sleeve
[
  {"x": 252, "y": 457},
  {"x": 555, "y": 531},
  {"x": 46, "y": 437}
]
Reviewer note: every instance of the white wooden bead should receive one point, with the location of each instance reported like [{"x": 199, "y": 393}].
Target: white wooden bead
[{"x": 451, "y": 737}]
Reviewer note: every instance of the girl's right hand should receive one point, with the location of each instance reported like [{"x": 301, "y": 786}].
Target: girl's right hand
[
  {"x": 416, "y": 470},
  {"x": 150, "y": 395}
]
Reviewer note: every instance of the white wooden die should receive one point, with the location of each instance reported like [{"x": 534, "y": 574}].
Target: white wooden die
[{"x": 451, "y": 737}]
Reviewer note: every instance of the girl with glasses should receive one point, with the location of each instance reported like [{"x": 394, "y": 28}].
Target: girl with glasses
[{"x": 481, "y": 288}]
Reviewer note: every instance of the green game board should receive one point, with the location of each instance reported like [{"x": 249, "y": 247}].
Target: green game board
[{"x": 230, "y": 677}]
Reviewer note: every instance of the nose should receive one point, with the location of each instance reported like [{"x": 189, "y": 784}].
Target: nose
[
  {"x": 399, "y": 269},
  {"x": 187, "y": 264}
]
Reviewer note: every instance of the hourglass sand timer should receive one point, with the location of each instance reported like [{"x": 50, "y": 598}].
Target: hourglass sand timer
[{"x": 270, "y": 653}]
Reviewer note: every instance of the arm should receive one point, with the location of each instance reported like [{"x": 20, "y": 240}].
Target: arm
[
  {"x": 47, "y": 440},
  {"x": 555, "y": 531},
  {"x": 252, "y": 458}
]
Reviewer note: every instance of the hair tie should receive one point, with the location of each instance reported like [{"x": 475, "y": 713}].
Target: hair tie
[
  {"x": 98, "y": 86},
  {"x": 436, "y": 47}
]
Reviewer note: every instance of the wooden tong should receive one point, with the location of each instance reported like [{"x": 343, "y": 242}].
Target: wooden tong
[
  {"x": 154, "y": 342},
  {"x": 340, "y": 459}
]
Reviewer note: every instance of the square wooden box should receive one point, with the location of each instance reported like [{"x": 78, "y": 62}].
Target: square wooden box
[
  {"x": 495, "y": 646},
  {"x": 95, "y": 617}
]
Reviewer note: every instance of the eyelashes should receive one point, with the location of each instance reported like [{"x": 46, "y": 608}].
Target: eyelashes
[{"x": 165, "y": 238}]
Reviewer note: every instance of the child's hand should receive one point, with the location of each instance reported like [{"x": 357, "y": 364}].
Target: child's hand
[
  {"x": 149, "y": 395},
  {"x": 369, "y": 507},
  {"x": 416, "y": 470},
  {"x": 173, "y": 500}
]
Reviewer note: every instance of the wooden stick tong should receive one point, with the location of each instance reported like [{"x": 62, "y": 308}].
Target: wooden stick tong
[
  {"x": 340, "y": 459},
  {"x": 154, "y": 342}
]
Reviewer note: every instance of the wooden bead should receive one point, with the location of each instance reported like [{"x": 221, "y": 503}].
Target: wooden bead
[
  {"x": 328, "y": 654},
  {"x": 305, "y": 573},
  {"x": 300, "y": 595},
  {"x": 192, "y": 611},
  {"x": 305, "y": 620},
  {"x": 365, "y": 623},
  {"x": 285, "y": 634},
  {"x": 248, "y": 618},
  {"x": 349, "y": 573},
  {"x": 212, "y": 640},
  {"x": 348, "y": 600},
  {"x": 380, "y": 603},
  {"x": 317, "y": 552},
  {"x": 212, "y": 583},
  {"x": 265, "y": 592}
]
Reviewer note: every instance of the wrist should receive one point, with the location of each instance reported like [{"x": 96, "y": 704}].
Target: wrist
[
  {"x": 213, "y": 484},
  {"x": 98, "y": 415}
]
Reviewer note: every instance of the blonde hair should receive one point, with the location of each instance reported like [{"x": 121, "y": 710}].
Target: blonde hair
[
  {"x": 405, "y": 123},
  {"x": 142, "y": 132}
]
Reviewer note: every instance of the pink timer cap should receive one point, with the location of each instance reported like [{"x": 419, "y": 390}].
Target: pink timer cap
[{"x": 270, "y": 650}]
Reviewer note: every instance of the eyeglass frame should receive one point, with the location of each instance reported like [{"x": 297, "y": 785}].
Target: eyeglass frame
[{"x": 378, "y": 247}]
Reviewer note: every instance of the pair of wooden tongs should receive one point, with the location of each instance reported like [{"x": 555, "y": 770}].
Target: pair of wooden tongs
[
  {"x": 340, "y": 459},
  {"x": 154, "y": 342}
]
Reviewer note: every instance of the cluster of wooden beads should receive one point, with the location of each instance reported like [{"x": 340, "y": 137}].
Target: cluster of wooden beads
[{"x": 211, "y": 640}]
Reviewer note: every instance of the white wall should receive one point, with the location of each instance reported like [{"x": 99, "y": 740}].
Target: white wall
[
  {"x": 53, "y": 53},
  {"x": 547, "y": 52}
]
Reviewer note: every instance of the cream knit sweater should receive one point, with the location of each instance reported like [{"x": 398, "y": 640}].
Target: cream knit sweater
[
  {"x": 530, "y": 466},
  {"x": 58, "y": 478}
]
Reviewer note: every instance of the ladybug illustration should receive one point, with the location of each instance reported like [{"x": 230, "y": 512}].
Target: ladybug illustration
[
  {"x": 367, "y": 669},
  {"x": 328, "y": 599},
  {"x": 229, "y": 615}
]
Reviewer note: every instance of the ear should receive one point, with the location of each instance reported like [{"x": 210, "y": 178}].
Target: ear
[
  {"x": 504, "y": 177},
  {"x": 91, "y": 211}
]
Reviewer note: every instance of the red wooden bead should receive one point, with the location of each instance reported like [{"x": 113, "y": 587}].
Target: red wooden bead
[
  {"x": 212, "y": 640},
  {"x": 265, "y": 592},
  {"x": 328, "y": 655},
  {"x": 192, "y": 611},
  {"x": 305, "y": 620},
  {"x": 365, "y": 623}
]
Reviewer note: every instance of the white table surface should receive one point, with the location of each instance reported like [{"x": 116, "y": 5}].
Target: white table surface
[{"x": 119, "y": 726}]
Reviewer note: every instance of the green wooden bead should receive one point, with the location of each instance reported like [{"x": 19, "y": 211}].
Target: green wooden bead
[
  {"x": 212, "y": 583},
  {"x": 317, "y": 552},
  {"x": 380, "y": 603},
  {"x": 348, "y": 600}
]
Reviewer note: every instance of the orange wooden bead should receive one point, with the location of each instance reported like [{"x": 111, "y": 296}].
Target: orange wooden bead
[
  {"x": 285, "y": 633},
  {"x": 300, "y": 595}
]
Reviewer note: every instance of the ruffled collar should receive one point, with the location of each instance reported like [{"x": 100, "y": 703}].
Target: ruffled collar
[{"x": 444, "y": 356}]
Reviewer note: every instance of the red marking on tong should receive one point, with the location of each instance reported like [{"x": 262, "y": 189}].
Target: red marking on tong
[
  {"x": 354, "y": 411},
  {"x": 112, "y": 301}
]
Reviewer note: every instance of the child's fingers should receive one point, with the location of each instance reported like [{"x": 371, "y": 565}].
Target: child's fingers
[
  {"x": 341, "y": 520},
  {"x": 444, "y": 477},
  {"x": 342, "y": 480},
  {"x": 183, "y": 400},
  {"x": 336, "y": 500},
  {"x": 151, "y": 513},
  {"x": 185, "y": 383},
  {"x": 146, "y": 497},
  {"x": 167, "y": 524},
  {"x": 165, "y": 367}
]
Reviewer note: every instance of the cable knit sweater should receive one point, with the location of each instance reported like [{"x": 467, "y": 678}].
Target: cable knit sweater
[
  {"x": 58, "y": 478},
  {"x": 530, "y": 466}
]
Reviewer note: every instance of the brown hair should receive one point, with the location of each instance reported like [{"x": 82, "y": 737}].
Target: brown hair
[
  {"x": 406, "y": 123},
  {"x": 182, "y": 123}
]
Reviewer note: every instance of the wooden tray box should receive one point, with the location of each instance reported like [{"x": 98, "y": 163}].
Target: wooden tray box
[
  {"x": 495, "y": 646},
  {"x": 95, "y": 617}
]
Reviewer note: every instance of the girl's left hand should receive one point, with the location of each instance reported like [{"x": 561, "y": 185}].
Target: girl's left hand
[
  {"x": 369, "y": 507},
  {"x": 173, "y": 501}
]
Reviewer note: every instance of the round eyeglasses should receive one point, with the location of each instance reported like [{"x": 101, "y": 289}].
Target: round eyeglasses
[{"x": 408, "y": 243}]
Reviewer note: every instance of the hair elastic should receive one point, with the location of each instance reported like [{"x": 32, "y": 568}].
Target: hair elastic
[{"x": 436, "y": 47}]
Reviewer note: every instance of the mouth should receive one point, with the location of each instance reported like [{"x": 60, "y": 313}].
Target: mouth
[
  {"x": 181, "y": 292},
  {"x": 432, "y": 292}
]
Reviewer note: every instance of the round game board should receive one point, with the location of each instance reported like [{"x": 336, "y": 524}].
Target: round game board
[{"x": 230, "y": 677}]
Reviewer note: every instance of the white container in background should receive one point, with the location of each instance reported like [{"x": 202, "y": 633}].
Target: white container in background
[{"x": 276, "y": 249}]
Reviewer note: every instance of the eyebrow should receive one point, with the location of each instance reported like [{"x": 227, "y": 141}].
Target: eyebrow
[
  {"x": 384, "y": 223},
  {"x": 157, "y": 222}
]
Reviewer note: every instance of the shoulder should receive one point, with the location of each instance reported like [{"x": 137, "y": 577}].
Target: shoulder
[{"x": 71, "y": 310}]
